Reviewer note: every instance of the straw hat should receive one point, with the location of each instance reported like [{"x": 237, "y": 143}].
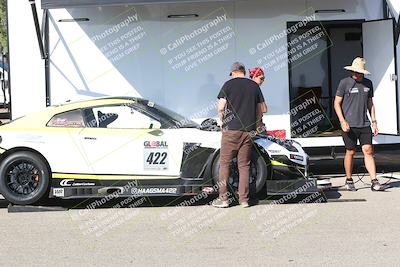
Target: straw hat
[{"x": 358, "y": 65}]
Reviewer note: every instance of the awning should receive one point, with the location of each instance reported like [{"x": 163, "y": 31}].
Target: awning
[{"x": 49, "y": 4}]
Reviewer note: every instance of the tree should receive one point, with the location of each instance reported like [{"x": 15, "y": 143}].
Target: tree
[{"x": 3, "y": 27}]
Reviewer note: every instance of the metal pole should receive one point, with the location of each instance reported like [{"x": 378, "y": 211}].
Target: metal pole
[
  {"x": 37, "y": 27},
  {"x": 385, "y": 9},
  {"x": 3, "y": 88}
]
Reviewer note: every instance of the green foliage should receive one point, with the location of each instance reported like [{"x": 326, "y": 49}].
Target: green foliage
[{"x": 3, "y": 26}]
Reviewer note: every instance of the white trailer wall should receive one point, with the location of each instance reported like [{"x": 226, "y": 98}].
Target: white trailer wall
[
  {"x": 27, "y": 76},
  {"x": 80, "y": 70},
  {"x": 394, "y": 6}
]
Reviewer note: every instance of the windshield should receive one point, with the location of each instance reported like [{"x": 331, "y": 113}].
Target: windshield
[{"x": 173, "y": 119}]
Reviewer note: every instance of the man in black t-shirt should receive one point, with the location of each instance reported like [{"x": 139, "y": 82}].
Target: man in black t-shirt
[
  {"x": 352, "y": 103},
  {"x": 240, "y": 110}
]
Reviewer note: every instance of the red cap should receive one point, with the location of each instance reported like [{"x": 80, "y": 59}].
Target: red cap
[{"x": 256, "y": 72}]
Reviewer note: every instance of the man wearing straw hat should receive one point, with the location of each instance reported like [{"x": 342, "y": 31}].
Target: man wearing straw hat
[{"x": 352, "y": 103}]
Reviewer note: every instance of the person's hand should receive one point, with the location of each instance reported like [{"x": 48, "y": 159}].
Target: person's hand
[
  {"x": 261, "y": 129},
  {"x": 345, "y": 126},
  {"x": 219, "y": 123},
  {"x": 375, "y": 129}
]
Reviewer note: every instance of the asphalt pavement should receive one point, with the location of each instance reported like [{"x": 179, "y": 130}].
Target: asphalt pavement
[{"x": 352, "y": 229}]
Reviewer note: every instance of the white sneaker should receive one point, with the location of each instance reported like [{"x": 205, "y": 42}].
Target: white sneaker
[
  {"x": 244, "y": 204},
  {"x": 218, "y": 203}
]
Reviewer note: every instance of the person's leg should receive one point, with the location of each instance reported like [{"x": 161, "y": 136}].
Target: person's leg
[
  {"x": 348, "y": 162},
  {"x": 244, "y": 154},
  {"x": 227, "y": 153},
  {"x": 350, "y": 142},
  {"x": 368, "y": 151},
  {"x": 369, "y": 161}
]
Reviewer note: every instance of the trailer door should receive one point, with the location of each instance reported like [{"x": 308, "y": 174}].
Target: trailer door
[{"x": 379, "y": 52}]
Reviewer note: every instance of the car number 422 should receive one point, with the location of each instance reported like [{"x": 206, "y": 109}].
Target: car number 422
[{"x": 157, "y": 158}]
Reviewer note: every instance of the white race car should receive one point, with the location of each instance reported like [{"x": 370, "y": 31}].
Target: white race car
[{"x": 126, "y": 146}]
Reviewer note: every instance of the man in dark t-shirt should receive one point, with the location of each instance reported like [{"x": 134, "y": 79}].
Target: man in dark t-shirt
[
  {"x": 352, "y": 103},
  {"x": 240, "y": 110}
]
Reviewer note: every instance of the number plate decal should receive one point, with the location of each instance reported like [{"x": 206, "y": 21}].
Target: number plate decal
[
  {"x": 58, "y": 192},
  {"x": 156, "y": 155}
]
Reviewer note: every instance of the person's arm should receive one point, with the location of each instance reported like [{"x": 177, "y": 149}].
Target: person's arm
[
  {"x": 339, "y": 112},
  {"x": 340, "y": 92},
  {"x": 222, "y": 103},
  {"x": 261, "y": 109},
  {"x": 221, "y": 110},
  {"x": 371, "y": 109}
]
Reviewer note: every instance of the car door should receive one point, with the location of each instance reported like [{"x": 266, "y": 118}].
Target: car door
[
  {"x": 62, "y": 147},
  {"x": 122, "y": 140},
  {"x": 379, "y": 51}
]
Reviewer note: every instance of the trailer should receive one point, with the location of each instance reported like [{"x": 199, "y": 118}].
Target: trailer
[{"x": 178, "y": 53}]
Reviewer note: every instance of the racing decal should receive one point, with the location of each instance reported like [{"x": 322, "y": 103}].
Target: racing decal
[
  {"x": 58, "y": 192},
  {"x": 71, "y": 182},
  {"x": 274, "y": 151},
  {"x": 62, "y": 122},
  {"x": 108, "y": 177},
  {"x": 156, "y": 155},
  {"x": 154, "y": 190}
]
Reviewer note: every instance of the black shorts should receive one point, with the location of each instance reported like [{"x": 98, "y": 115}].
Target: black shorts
[{"x": 364, "y": 135}]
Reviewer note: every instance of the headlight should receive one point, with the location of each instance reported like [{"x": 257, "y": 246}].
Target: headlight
[
  {"x": 288, "y": 144},
  {"x": 296, "y": 157}
]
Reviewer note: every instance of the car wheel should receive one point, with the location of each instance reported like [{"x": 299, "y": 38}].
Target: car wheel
[
  {"x": 24, "y": 178},
  {"x": 259, "y": 173}
]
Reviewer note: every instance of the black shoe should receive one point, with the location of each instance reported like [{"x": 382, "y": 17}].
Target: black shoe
[
  {"x": 376, "y": 186},
  {"x": 350, "y": 185}
]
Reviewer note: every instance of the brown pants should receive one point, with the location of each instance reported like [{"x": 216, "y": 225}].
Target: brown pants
[{"x": 235, "y": 143}]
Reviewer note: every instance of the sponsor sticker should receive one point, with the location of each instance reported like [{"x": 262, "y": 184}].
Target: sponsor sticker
[
  {"x": 154, "y": 190},
  {"x": 58, "y": 192},
  {"x": 71, "y": 182}
]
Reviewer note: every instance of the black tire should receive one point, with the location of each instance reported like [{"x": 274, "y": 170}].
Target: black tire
[
  {"x": 259, "y": 173},
  {"x": 24, "y": 178}
]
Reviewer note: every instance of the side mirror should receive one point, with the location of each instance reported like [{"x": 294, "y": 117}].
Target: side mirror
[{"x": 155, "y": 125}]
